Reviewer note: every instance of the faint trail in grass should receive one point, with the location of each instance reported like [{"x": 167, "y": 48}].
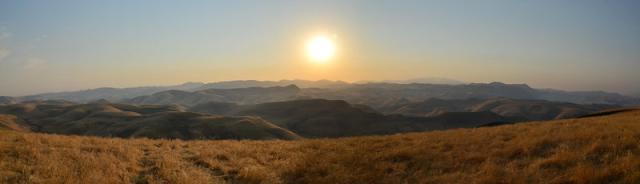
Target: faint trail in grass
[
  {"x": 148, "y": 167},
  {"x": 216, "y": 172}
]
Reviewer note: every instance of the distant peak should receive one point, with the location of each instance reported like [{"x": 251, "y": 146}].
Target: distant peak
[
  {"x": 292, "y": 86},
  {"x": 500, "y": 84},
  {"x": 192, "y": 83}
]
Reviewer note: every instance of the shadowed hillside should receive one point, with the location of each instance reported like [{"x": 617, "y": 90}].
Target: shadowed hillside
[
  {"x": 601, "y": 149},
  {"x": 516, "y": 109},
  {"x": 310, "y": 118},
  {"x": 121, "y": 120},
  {"x": 337, "y": 118}
]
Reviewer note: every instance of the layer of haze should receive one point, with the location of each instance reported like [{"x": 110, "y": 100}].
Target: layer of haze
[{"x": 68, "y": 45}]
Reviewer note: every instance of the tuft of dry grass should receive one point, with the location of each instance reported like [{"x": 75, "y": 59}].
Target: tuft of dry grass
[{"x": 601, "y": 149}]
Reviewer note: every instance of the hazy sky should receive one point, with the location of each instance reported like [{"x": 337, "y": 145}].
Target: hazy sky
[{"x": 68, "y": 45}]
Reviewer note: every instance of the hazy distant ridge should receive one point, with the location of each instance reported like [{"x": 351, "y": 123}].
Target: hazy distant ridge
[{"x": 373, "y": 94}]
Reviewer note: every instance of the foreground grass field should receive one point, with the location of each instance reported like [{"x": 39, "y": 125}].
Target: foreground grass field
[{"x": 603, "y": 149}]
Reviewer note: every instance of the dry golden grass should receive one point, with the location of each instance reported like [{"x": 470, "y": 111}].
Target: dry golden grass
[{"x": 591, "y": 150}]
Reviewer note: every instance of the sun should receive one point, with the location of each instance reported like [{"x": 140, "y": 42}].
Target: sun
[{"x": 321, "y": 48}]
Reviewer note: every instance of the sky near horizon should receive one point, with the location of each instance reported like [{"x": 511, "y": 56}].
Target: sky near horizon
[{"x": 66, "y": 45}]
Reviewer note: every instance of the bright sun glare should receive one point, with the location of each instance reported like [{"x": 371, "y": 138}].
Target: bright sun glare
[{"x": 321, "y": 48}]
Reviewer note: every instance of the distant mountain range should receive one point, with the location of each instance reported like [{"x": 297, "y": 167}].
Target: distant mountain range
[
  {"x": 426, "y": 80},
  {"x": 376, "y": 95},
  {"x": 255, "y": 83},
  {"x": 111, "y": 94},
  {"x": 379, "y": 95},
  {"x": 117, "y": 94},
  {"x": 250, "y": 95}
]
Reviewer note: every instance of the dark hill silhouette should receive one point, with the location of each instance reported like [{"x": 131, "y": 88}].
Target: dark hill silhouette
[
  {"x": 423, "y": 80},
  {"x": 264, "y": 84},
  {"x": 380, "y": 95},
  {"x": 376, "y": 95},
  {"x": 250, "y": 95},
  {"x": 610, "y": 112},
  {"x": 119, "y": 94},
  {"x": 107, "y": 93}
]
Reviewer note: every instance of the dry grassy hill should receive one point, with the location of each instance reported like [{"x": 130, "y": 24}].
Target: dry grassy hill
[
  {"x": 515, "y": 109},
  {"x": 126, "y": 121},
  {"x": 11, "y": 122},
  {"x": 320, "y": 118},
  {"x": 601, "y": 149}
]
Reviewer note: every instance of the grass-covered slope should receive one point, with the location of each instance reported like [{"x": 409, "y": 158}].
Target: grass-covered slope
[
  {"x": 601, "y": 149},
  {"x": 320, "y": 118},
  {"x": 10, "y": 122},
  {"x": 126, "y": 121}
]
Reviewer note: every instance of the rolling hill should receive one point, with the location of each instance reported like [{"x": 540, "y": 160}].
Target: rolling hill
[
  {"x": 10, "y": 122},
  {"x": 292, "y": 119},
  {"x": 312, "y": 118},
  {"x": 336, "y": 118},
  {"x": 122, "y": 120},
  {"x": 516, "y": 109},
  {"x": 598, "y": 149}
]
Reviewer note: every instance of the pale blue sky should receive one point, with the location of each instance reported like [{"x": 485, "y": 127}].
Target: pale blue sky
[{"x": 69, "y": 45}]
